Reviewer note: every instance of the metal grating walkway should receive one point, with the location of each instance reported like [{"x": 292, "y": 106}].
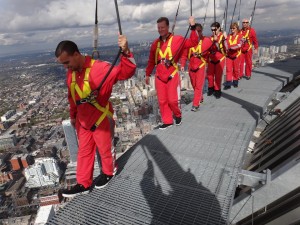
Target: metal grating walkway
[{"x": 186, "y": 174}]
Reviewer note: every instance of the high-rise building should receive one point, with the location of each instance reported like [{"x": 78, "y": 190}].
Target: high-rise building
[
  {"x": 8, "y": 141},
  {"x": 44, "y": 172},
  {"x": 283, "y": 48},
  {"x": 71, "y": 139}
]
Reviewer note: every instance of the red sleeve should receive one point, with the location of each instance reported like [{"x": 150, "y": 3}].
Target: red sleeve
[
  {"x": 188, "y": 43},
  {"x": 254, "y": 38},
  {"x": 207, "y": 43},
  {"x": 184, "y": 57},
  {"x": 192, "y": 41},
  {"x": 124, "y": 70},
  {"x": 151, "y": 60}
]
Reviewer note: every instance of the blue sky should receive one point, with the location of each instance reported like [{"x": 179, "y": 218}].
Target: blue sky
[{"x": 28, "y": 25}]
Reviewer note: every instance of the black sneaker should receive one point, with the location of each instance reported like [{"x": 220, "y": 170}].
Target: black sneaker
[
  {"x": 177, "y": 121},
  {"x": 195, "y": 108},
  {"x": 102, "y": 180},
  {"x": 218, "y": 94},
  {"x": 164, "y": 126},
  {"x": 210, "y": 91},
  {"x": 248, "y": 78},
  {"x": 78, "y": 189},
  {"x": 227, "y": 87}
]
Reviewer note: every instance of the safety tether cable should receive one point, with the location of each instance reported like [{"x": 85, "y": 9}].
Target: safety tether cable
[{"x": 95, "y": 92}]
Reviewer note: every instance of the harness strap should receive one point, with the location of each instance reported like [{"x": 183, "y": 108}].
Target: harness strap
[
  {"x": 220, "y": 60},
  {"x": 85, "y": 92}
]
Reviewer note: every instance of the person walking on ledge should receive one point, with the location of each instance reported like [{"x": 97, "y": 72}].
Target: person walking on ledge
[
  {"x": 198, "y": 57},
  {"x": 249, "y": 41},
  {"x": 165, "y": 52},
  {"x": 216, "y": 61},
  {"x": 92, "y": 117}
]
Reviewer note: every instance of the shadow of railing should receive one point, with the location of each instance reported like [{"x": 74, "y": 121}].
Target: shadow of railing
[{"x": 173, "y": 194}]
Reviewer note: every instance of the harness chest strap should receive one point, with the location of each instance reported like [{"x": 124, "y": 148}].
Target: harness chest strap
[
  {"x": 199, "y": 51},
  {"x": 220, "y": 44},
  {"x": 85, "y": 93},
  {"x": 248, "y": 40},
  {"x": 163, "y": 55},
  {"x": 232, "y": 42}
]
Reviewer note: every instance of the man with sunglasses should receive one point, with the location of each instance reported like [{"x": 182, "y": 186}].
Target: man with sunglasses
[{"x": 249, "y": 41}]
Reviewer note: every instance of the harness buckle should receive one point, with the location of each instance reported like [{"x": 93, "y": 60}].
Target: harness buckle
[{"x": 84, "y": 100}]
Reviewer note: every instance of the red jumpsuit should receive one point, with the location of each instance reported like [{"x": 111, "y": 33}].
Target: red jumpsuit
[
  {"x": 167, "y": 80},
  {"x": 198, "y": 56},
  {"x": 87, "y": 115},
  {"x": 216, "y": 63},
  {"x": 233, "y": 45},
  {"x": 249, "y": 40}
]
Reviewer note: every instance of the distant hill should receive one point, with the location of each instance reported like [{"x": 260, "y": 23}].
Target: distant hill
[{"x": 277, "y": 37}]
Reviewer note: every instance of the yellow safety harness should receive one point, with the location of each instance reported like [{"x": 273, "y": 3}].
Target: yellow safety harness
[
  {"x": 248, "y": 40},
  {"x": 197, "y": 53},
  {"x": 233, "y": 42},
  {"x": 163, "y": 56},
  {"x": 221, "y": 48},
  {"x": 85, "y": 93}
]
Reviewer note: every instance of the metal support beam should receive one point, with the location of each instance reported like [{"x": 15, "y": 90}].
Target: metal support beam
[{"x": 253, "y": 179}]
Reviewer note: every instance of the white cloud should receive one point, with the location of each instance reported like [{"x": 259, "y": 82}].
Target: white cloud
[{"x": 49, "y": 21}]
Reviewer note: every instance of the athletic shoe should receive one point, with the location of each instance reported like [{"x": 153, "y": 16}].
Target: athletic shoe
[
  {"x": 195, "y": 108},
  {"x": 177, "y": 121},
  {"x": 227, "y": 87},
  {"x": 210, "y": 91},
  {"x": 102, "y": 180},
  {"x": 248, "y": 78},
  {"x": 78, "y": 189},
  {"x": 218, "y": 94},
  {"x": 164, "y": 126}
]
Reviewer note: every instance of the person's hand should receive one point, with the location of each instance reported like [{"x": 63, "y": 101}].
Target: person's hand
[
  {"x": 123, "y": 44},
  {"x": 215, "y": 36},
  {"x": 182, "y": 69},
  {"x": 192, "y": 21},
  {"x": 255, "y": 51},
  {"x": 147, "y": 80},
  {"x": 225, "y": 34}
]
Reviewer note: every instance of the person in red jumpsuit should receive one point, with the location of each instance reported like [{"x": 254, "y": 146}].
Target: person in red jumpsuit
[
  {"x": 249, "y": 41},
  {"x": 216, "y": 61},
  {"x": 93, "y": 120},
  {"x": 198, "y": 56},
  {"x": 233, "y": 45},
  {"x": 165, "y": 52}
]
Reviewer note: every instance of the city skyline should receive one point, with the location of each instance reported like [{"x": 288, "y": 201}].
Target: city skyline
[{"x": 29, "y": 25}]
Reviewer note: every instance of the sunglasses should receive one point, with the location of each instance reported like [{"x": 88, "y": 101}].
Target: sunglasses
[
  {"x": 245, "y": 22},
  {"x": 213, "y": 29}
]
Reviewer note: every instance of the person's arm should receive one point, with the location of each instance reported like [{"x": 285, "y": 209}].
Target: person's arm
[
  {"x": 183, "y": 59},
  {"x": 127, "y": 66},
  {"x": 206, "y": 45},
  {"x": 254, "y": 40},
  {"x": 193, "y": 40},
  {"x": 151, "y": 62}
]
